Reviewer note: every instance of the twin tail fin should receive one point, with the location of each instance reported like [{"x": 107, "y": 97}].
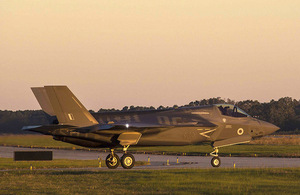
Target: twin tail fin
[{"x": 59, "y": 101}]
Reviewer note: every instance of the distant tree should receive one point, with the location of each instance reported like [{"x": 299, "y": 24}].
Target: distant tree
[
  {"x": 160, "y": 107},
  {"x": 101, "y": 110},
  {"x": 204, "y": 102},
  {"x": 297, "y": 107},
  {"x": 229, "y": 101},
  {"x": 191, "y": 104},
  {"x": 11, "y": 122},
  {"x": 125, "y": 108},
  {"x": 281, "y": 110},
  {"x": 217, "y": 100}
]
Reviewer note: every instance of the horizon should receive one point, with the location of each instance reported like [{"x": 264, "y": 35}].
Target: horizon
[
  {"x": 165, "y": 106},
  {"x": 113, "y": 54}
]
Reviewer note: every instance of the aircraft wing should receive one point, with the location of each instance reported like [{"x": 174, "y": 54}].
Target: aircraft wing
[{"x": 134, "y": 127}]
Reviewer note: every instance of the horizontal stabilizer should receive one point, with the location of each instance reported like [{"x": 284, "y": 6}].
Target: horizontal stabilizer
[
  {"x": 45, "y": 129},
  {"x": 233, "y": 141}
]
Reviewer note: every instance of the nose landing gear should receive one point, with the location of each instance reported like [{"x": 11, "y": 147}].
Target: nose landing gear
[{"x": 215, "y": 161}]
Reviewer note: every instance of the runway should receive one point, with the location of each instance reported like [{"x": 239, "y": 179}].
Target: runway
[{"x": 160, "y": 161}]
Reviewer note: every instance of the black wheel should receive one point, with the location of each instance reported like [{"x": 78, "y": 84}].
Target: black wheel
[
  {"x": 215, "y": 161},
  {"x": 127, "y": 161},
  {"x": 112, "y": 161}
]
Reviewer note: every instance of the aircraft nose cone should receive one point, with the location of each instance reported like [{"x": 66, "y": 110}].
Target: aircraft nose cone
[{"x": 269, "y": 128}]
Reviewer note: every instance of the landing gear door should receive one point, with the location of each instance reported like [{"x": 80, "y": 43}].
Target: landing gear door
[{"x": 129, "y": 138}]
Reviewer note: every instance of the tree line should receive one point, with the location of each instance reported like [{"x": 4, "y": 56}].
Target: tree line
[{"x": 284, "y": 113}]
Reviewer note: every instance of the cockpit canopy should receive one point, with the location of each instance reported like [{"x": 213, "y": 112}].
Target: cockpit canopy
[{"x": 231, "y": 110}]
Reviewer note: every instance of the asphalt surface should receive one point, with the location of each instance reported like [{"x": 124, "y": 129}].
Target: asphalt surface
[{"x": 160, "y": 161}]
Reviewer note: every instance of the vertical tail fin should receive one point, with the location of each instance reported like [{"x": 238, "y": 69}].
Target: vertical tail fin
[
  {"x": 43, "y": 99},
  {"x": 64, "y": 104}
]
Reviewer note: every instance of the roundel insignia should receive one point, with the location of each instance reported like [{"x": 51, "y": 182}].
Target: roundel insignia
[{"x": 240, "y": 131}]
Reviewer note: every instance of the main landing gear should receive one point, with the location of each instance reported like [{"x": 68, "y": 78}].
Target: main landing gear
[
  {"x": 215, "y": 161},
  {"x": 113, "y": 160}
]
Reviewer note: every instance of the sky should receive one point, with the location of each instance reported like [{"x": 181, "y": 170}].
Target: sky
[{"x": 134, "y": 52}]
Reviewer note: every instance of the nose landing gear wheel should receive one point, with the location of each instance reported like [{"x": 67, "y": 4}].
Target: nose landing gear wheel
[
  {"x": 127, "y": 161},
  {"x": 215, "y": 161},
  {"x": 112, "y": 161}
]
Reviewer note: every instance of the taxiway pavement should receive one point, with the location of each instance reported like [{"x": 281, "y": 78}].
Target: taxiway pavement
[{"x": 160, "y": 161}]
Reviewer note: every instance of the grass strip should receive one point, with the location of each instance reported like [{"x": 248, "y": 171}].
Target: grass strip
[{"x": 179, "y": 181}]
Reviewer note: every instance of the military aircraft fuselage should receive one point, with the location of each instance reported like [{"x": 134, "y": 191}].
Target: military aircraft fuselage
[
  {"x": 171, "y": 127},
  {"x": 221, "y": 125}
]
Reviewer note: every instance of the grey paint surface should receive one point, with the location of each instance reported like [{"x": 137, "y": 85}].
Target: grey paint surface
[{"x": 159, "y": 161}]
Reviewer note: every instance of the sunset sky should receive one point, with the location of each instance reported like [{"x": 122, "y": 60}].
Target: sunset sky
[{"x": 117, "y": 53}]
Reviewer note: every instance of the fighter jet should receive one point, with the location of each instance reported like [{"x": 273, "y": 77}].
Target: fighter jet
[{"x": 220, "y": 125}]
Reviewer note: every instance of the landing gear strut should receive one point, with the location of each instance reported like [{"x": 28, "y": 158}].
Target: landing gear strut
[
  {"x": 112, "y": 160},
  {"x": 215, "y": 161}
]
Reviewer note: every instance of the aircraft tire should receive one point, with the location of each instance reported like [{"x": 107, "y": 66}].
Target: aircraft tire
[
  {"x": 127, "y": 161},
  {"x": 112, "y": 162},
  {"x": 215, "y": 161}
]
